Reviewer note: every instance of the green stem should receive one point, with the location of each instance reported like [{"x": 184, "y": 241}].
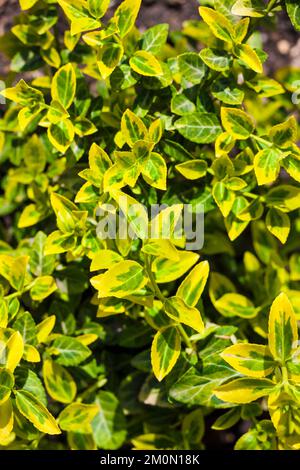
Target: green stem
[
  {"x": 162, "y": 298},
  {"x": 154, "y": 285},
  {"x": 88, "y": 391},
  {"x": 285, "y": 379},
  {"x": 12, "y": 296},
  {"x": 251, "y": 195},
  {"x": 272, "y": 4},
  {"x": 261, "y": 140},
  {"x": 185, "y": 337}
]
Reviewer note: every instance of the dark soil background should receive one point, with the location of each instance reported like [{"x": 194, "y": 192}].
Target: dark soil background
[{"x": 282, "y": 44}]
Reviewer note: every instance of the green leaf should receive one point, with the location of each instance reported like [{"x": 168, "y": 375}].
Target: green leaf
[
  {"x": 64, "y": 209},
  {"x": 237, "y": 123},
  {"x": 99, "y": 163},
  {"x": 166, "y": 271},
  {"x": 14, "y": 350},
  {"x": 145, "y": 63},
  {"x": 291, "y": 164},
  {"x": 244, "y": 390},
  {"x": 25, "y": 324},
  {"x": 267, "y": 165},
  {"x": 36, "y": 412},
  {"x": 29, "y": 381},
  {"x": 179, "y": 311},
  {"x": 59, "y": 242},
  {"x": 98, "y": 8},
  {"x": 24, "y": 94},
  {"x": 227, "y": 420},
  {"x": 231, "y": 304},
  {"x": 155, "y": 38},
  {"x": 6, "y": 420},
  {"x": 293, "y": 10},
  {"x": 3, "y": 313},
  {"x": 83, "y": 127},
  {"x": 284, "y": 197},
  {"x": 285, "y": 134},
  {"x": 215, "y": 59},
  {"x": 78, "y": 13},
  {"x": 59, "y": 383},
  {"x": 126, "y": 15},
  {"x": 195, "y": 387},
  {"x": 253, "y": 360},
  {"x": 224, "y": 197},
  {"x": 193, "y": 169},
  {"x": 233, "y": 224},
  {"x": 154, "y": 171},
  {"x": 44, "y": 328},
  {"x": 193, "y": 426},
  {"x": 133, "y": 129},
  {"x": 156, "y": 246},
  {"x": 34, "y": 154},
  {"x": 225, "y": 91},
  {"x": 192, "y": 286},
  {"x": 105, "y": 259},
  {"x": 165, "y": 351},
  {"x": 191, "y": 67},
  {"x": 252, "y": 8},
  {"x": 39, "y": 264},
  {"x": 80, "y": 441},
  {"x": 202, "y": 128},
  {"x": 6, "y": 384},
  {"x": 108, "y": 58},
  {"x": 78, "y": 417},
  {"x": 123, "y": 279},
  {"x": 63, "y": 86},
  {"x": 181, "y": 105},
  {"x": 241, "y": 30},
  {"x": 61, "y": 135},
  {"x": 43, "y": 287},
  {"x": 14, "y": 270},
  {"x": 248, "y": 56},
  {"x": 283, "y": 330},
  {"x": 109, "y": 427},
  {"x": 220, "y": 26},
  {"x": 278, "y": 223},
  {"x": 69, "y": 351},
  {"x": 135, "y": 213}
]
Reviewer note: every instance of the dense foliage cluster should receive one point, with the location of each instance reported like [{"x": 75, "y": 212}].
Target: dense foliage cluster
[{"x": 136, "y": 341}]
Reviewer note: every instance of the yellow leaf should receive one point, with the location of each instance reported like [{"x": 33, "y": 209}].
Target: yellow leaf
[
  {"x": 6, "y": 420},
  {"x": 44, "y": 328},
  {"x": 15, "y": 349},
  {"x": 192, "y": 286},
  {"x": 144, "y": 63},
  {"x": 249, "y": 57},
  {"x": 133, "y": 128},
  {"x": 177, "y": 309},
  {"x": 218, "y": 23},
  {"x": 283, "y": 330},
  {"x": 244, "y": 390},
  {"x": 121, "y": 280},
  {"x": 31, "y": 354},
  {"x": 165, "y": 351},
  {"x": 254, "y": 360}
]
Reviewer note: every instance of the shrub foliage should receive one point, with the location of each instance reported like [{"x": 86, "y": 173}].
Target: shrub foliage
[{"x": 137, "y": 341}]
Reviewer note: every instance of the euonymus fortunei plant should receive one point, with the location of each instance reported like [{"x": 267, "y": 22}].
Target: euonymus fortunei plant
[{"x": 137, "y": 340}]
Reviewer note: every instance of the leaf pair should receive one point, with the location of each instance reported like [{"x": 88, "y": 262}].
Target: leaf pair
[{"x": 258, "y": 362}]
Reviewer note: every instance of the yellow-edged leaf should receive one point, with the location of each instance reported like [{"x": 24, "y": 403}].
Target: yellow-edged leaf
[
  {"x": 165, "y": 351},
  {"x": 254, "y": 360},
  {"x": 283, "y": 330}
]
